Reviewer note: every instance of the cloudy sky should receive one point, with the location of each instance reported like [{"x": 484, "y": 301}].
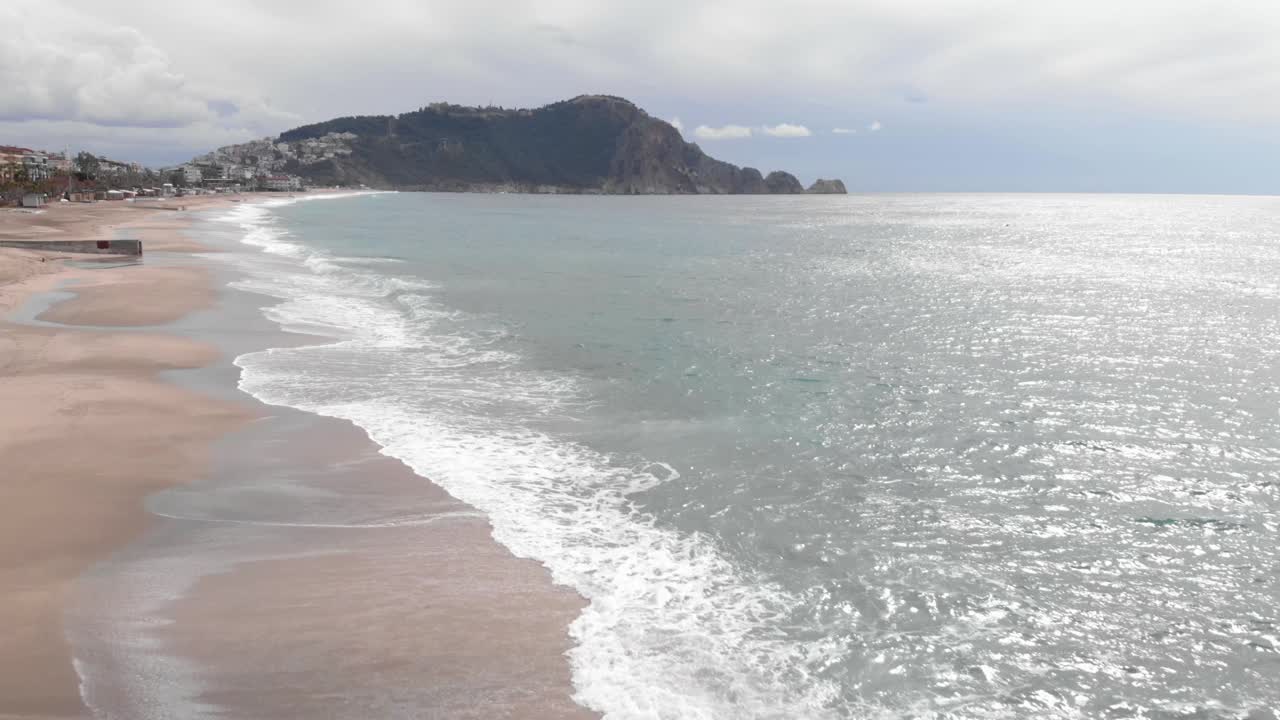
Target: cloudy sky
[{"x": 1141, "y": 95}]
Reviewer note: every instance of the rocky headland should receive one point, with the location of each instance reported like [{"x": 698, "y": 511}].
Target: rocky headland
[{"x": 590, "y": 144}]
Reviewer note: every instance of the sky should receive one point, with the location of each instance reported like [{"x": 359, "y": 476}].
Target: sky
[{"x": 928, "y": 95}]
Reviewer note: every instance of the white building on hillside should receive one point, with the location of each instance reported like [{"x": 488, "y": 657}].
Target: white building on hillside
[{"x": 282, "y": 183}]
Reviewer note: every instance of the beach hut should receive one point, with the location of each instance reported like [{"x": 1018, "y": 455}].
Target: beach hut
[{"x": 33, "y": 200}]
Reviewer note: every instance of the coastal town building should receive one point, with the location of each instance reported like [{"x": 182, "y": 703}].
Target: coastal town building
[
  {"x": 190, "y": 174},
  {"x": 60, "y": 162},
  {"x": 267, "y": 156},
  {"x": 11, "y": 161},
  {"x": 37, "y": 167},
  {"x": 71, "y": 177},
  {"x": 23, "y": 162},
  {"x": 211, "y": 171},
  {"x": 12, "y": 155},
  {"x": 100, "y": 166},
  {"x": 282, "y": 183},
  {"x": 27, "y": 165},
  {"x": 114, "y": 168},
  {"x": 86, "y": 177}
]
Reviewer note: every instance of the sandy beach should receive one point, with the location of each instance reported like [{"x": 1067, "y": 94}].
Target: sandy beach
[{"x": 89, "y": 429}]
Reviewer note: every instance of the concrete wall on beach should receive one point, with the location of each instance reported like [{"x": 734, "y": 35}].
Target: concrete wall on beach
[{"x": 98, "y": 247}]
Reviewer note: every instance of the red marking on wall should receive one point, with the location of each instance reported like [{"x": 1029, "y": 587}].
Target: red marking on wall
[{"x": 104, "y": 244}]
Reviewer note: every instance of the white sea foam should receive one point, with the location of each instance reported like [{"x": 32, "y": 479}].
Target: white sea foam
[{"x": 672, "y": 629}]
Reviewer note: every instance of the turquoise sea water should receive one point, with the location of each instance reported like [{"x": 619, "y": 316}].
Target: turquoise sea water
[{"x": 872, "y": 456}]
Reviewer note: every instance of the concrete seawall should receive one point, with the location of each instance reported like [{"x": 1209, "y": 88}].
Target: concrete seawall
[{"x": 97, "y": 247}]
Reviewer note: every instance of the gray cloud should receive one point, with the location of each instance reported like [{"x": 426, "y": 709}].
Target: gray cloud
[{"x": 145, "y": 64}]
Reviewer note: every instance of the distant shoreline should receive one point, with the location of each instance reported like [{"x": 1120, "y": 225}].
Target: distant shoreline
[{"x": 519, "y": 189}]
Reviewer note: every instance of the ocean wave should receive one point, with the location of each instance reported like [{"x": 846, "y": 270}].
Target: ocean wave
[{"x": 672, "y": 628}]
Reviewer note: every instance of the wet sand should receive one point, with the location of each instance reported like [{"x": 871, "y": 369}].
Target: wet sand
[
  {"x": 134, "y": 296},
  {"x": 87, "y": 430},
  {"x": 405, "y": 609},
  {"x": 422, "y": 616}
]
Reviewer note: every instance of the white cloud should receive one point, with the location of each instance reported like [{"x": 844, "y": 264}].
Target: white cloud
[
  {"x": 786, "y": 130},
  {"x": 58, "y": 65},
  {"x": 844, "y": 131},
  {"x": 102, "y": 75},
  {"x": 675, "y": 123},
  {"x": 728, "y": 132},
  {"x": 875, "y": 126}
]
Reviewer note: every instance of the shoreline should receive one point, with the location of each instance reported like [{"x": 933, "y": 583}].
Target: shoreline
[
  {"x": 89, "y": 430},
  {"x": 120, "y": 402}
]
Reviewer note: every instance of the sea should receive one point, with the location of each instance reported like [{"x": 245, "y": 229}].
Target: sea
[{"x": 866, "y": 456}]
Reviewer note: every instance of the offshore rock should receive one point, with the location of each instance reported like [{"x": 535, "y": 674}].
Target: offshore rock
[
  {"x": 827, "y": 187},
  {"x": 783, "y": 183}
]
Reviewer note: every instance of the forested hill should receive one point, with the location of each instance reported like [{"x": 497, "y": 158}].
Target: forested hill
[{"x": 592, "y": 143}]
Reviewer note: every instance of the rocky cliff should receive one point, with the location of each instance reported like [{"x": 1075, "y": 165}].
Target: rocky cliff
[{"x": 590, "y": 144}]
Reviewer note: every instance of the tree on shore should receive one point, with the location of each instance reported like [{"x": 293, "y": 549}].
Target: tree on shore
[{"x": 87, "y": 165}]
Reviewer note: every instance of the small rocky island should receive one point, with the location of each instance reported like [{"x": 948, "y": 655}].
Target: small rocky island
[
  {"x": 827, "y": 187},
  {"x": 590, "y": 144}
]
